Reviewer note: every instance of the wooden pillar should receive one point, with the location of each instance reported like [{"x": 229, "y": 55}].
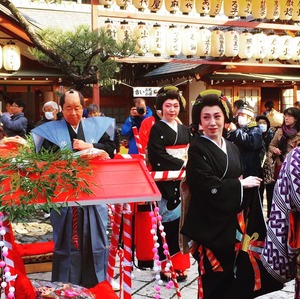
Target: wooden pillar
[{"x": 94, "y": 16}]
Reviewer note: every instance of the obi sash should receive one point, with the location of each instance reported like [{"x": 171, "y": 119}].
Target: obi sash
[{"x": 178, "y": 151}]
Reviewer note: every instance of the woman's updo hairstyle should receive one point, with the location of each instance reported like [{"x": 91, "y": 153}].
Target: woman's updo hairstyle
[
  {"x": 211, "y": 97},
  {"x": 169, "y": 92}
]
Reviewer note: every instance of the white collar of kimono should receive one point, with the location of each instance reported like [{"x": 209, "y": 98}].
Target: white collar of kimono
[
  {"x": 173, "y": 125},
  {"x": 76, "y": 129},
  {"x": 223, "y": 143}
]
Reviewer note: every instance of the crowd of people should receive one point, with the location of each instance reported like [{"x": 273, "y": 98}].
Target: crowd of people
[{"x": 224, "y": 152}]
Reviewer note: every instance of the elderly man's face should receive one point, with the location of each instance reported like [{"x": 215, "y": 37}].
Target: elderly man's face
[{"x": 72, "y": 109}]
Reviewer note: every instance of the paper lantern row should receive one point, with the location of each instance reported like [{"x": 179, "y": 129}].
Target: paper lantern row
[
  {"x": 260, "y": 9},
  {"x": 202, "y": 42},
  {"x": 10, "y": 56}
]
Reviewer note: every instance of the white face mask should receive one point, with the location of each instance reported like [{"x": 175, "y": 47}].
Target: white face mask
[
  {"x": 49, "y": 115},
  {"x": 263, "y": 127},
  {"x": 242, "y": 120}
]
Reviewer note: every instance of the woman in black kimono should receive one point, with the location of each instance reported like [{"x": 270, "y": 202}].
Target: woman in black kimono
[
  {"x": 167, "y": 150},
  {"x": 216, "y": 220}
]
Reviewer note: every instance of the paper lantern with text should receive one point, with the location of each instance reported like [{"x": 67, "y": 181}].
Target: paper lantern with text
[
  {"x": 124, "y": 32},
  {"x": 123, "y": 4},
  {"x": 231, "y": 8},
  {"x": 157, "y": 40},
  {"x": 11, "y": 57},
  {"x": 273, "y": 9},
  {"x": 296, "y": 11},
  {"x": 260, "y": 48},
  {"x": 244, "y": 8},
  {"x": 186, "y": 6},
  {"x": 155, "y": 5},
  {"x": 106, "y": 3},
  {"x": 273, "y": 43},
  {"x": 189, "y": 41},
  {"x": 141, "y": 32},
  {"x": 202, "y": 7},
  {"x": 246, "y": 45},
  {"x": 287, "y": 47},
  {"x": 174, "y": 41},
  {"x": 1, "y": 57},
  {"x": 286, "y": 9},
  {"x": 259, "y": 9},
  {"x": 204, "y": 42},
  {"x": 296, "y": 54},
  {"x": 231, "y": 43},
  {"x": 217, "y": 43},
  {"x": 172, "y": 6},
  {"x": 215, "y": 7},
  {"x": 110, "y": 28},
  {"x": 141, "y": 5}
]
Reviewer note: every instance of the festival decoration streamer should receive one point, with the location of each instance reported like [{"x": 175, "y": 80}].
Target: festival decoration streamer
[
  {"x": 127, "y": 239},
  {"x": 114, "y": 242},
  {"x": 6, "y": 263}
]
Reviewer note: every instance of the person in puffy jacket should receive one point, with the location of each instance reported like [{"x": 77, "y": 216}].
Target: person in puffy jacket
[
  {"x": 16, "y": 125},
  {"x": 248, "y": 138}
]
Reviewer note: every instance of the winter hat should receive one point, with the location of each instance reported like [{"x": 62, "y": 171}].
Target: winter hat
[
  {"x": 246, "y": 109},
  {"x": 169, "y": 92},
  {"x": 259, "y": 117}
]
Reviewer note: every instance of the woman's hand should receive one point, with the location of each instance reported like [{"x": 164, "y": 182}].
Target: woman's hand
[{"x": 251, "y": 181}]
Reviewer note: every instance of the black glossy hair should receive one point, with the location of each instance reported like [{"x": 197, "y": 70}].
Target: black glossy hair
[
  {"x": 63, "y": 97},
  {"x": 211, "y": 97}
]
